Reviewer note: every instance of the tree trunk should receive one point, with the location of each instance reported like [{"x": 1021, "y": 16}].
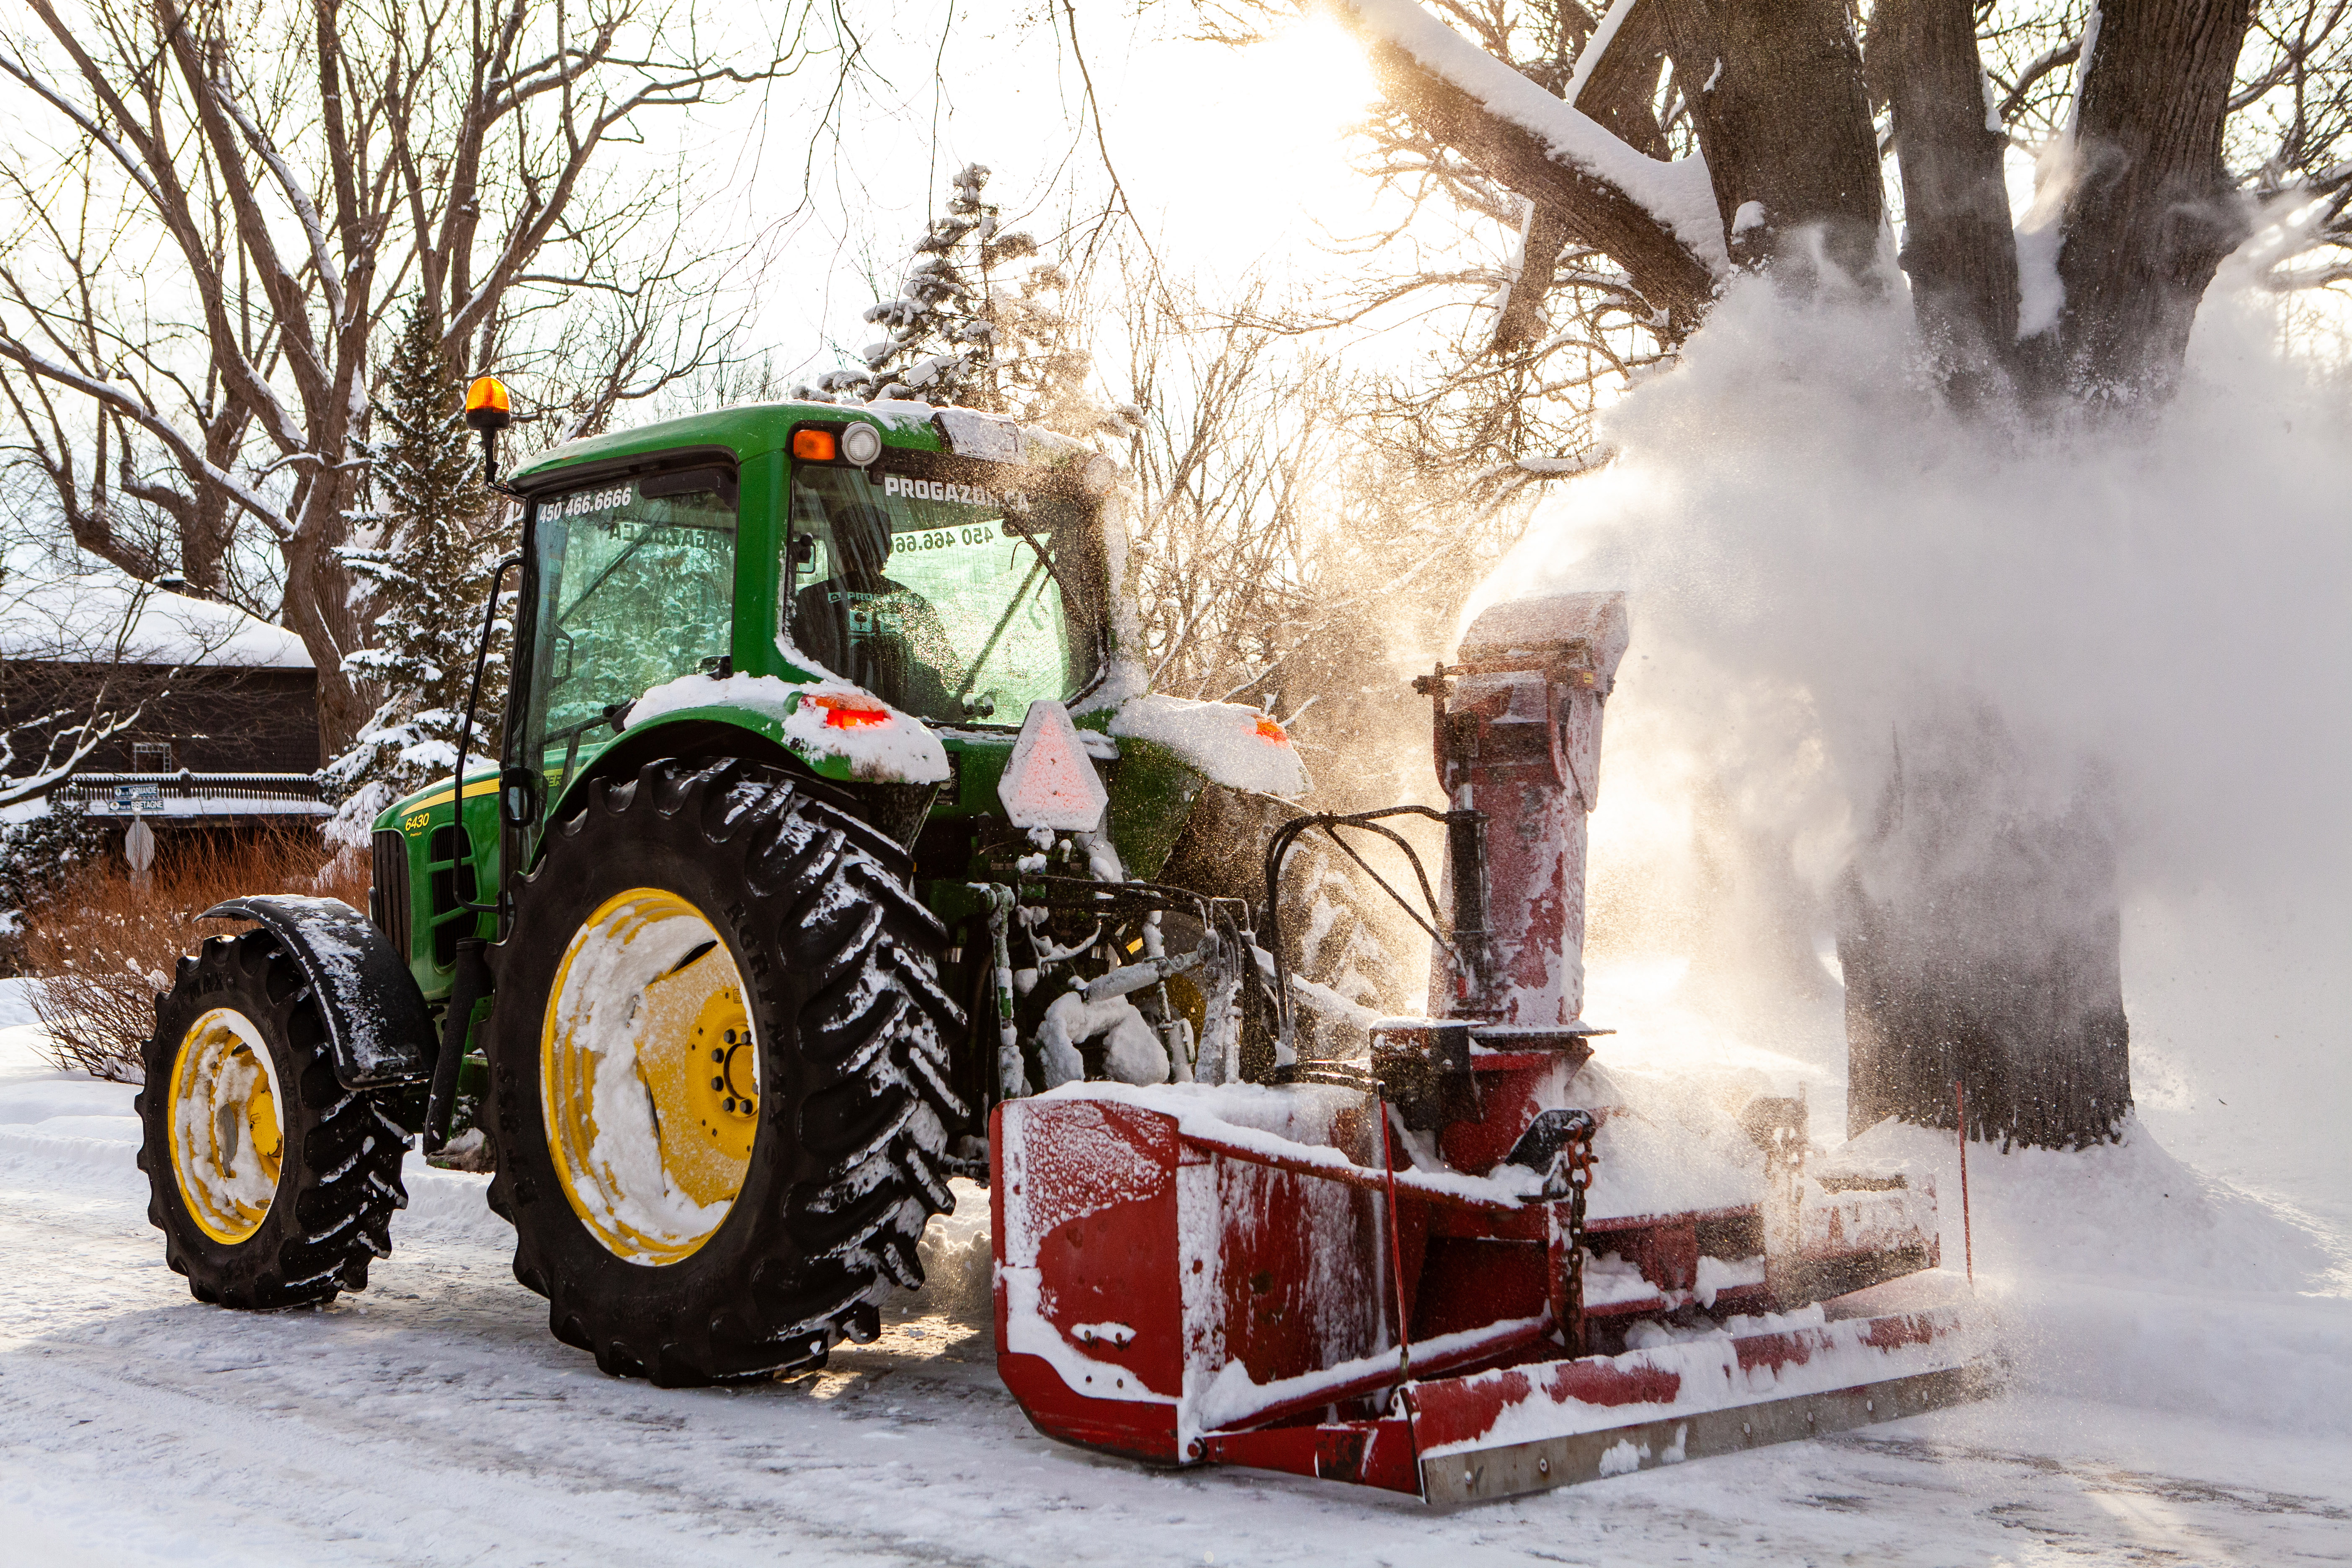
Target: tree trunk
[
  {"x": 1958, "y": 248},
  {"x": 1776, "y": 92},
  {"x": 2152, "y": 213},
  {"x": 1621, "y": 91},
  {"x": 1982, "y": 948},
  {"x": 318, "y": 610}
]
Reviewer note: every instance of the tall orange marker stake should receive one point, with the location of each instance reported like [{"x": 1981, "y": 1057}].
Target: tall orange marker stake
[{"x": 1968, "y": 1238}]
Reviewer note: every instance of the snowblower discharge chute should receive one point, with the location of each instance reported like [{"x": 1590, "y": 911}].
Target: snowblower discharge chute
[
  {"x": 834, "y": 849},
  {"x": 1458, "y": 1269}
]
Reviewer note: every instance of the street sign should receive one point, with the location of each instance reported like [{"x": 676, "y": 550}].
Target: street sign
[{"x": 139, "y": 845}]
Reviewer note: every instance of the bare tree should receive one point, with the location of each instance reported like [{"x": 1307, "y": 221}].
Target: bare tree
[
  {"x": 1284, "y": 544},
  {"x": 1646, "y": 151},
  {"x": 201, "y": 255}
]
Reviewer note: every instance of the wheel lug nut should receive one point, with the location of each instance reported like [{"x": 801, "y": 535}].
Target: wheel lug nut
[
  {"x": 729, "y": 1037},
  {"x": 718, "y": 1083},
  {"x": 717, "y": 1055},
  {"x": 728, "y": 1104}
]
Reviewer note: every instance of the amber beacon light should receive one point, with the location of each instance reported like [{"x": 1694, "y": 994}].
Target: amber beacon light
[{"x": 488, "y": 411}]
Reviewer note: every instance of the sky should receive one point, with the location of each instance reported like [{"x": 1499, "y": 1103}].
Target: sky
[{"x": 1231, "y": 160}]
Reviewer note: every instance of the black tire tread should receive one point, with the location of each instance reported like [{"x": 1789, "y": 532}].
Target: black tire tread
[
  {"x": 339, "y": 1180},
  {"x": 825, "y": 908}
]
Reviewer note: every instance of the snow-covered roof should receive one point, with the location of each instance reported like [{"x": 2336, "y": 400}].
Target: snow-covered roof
[{"x": 106, "y": 617}]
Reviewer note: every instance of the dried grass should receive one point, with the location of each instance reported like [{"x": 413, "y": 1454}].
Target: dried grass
[{"x": 103, "y": 946}]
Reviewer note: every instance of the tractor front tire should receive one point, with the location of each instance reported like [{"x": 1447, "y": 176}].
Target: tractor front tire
[
  {"x": 272, "y": 1184},
  {"x": 719, "y": 1080}
]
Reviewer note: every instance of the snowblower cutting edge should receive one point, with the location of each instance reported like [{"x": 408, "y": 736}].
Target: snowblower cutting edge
[{"x": 837, "y": 849}]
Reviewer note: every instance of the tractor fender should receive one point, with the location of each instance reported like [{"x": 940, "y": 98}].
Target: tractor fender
[{"x": 379, "y": 1031}]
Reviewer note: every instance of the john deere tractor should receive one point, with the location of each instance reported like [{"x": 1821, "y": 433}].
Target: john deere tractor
[{"x": 828, "y": 811}]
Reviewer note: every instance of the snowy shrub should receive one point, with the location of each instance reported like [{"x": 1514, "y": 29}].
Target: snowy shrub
[{"x": 103, "y": 947}]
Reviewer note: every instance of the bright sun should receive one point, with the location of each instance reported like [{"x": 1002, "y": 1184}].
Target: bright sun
[{"x": 1235, "y": 144}]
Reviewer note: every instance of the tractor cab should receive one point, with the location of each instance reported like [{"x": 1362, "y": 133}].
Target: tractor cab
[{"x": 837, "y": 556}]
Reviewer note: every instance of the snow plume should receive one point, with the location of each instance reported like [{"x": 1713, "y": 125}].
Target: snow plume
[{"x": 1821, "y": 557}]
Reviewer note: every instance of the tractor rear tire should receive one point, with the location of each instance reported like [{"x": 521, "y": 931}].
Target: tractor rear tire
[
  {"x": 272, "y": 1184},
  {"x": 721, "y": 916}
]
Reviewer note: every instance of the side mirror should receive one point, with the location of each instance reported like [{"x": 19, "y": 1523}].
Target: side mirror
[{"x": 518, "y": 793}]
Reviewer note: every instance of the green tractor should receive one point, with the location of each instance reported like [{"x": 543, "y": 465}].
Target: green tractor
[{"x": 830, "y": 812}]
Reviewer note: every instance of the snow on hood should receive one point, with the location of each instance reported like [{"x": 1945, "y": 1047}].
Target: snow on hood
[
  {"x": 105, "y": 617},
  {"x": 1237, "y": 746},
  {"x": 890, "y": 748}
]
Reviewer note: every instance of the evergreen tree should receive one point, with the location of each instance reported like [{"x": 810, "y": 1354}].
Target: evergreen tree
[
  {"x": 964, "y": 332},
  {"x": 41, "y": 851},
  {"x": 436, "y": 533}
]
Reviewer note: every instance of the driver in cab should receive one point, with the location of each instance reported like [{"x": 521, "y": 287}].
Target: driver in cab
[{"x": 866, "y": 626}]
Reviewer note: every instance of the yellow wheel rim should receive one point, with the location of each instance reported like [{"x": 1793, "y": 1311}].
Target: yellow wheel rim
[
  {"x": 648, "y": 1076},
  {"x": 229, "y": 1136}
]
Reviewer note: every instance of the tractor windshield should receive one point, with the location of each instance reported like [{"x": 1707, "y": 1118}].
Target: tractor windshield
[
  {"x": 951, "y": 598},
  {"x": 637, "y": 586}
]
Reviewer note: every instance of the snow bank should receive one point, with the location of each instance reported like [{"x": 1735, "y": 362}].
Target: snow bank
[
  {"x": 2119, "y": 1273},
  {"x": 62, "y": 1131}
]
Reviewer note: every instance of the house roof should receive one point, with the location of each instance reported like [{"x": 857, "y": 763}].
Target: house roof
[{"x": 106, "y": 617}]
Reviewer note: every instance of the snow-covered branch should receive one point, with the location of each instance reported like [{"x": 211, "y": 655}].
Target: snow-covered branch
[{"x": 1654, "y": 215}]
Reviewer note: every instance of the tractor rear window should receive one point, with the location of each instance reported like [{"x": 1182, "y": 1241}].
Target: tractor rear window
[
  {"x": 637, "y": 586},
  {"x": 954, "y": 600}
]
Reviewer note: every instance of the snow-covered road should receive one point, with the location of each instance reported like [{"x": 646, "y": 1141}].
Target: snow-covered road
[{"x": 433, "y": 1420}]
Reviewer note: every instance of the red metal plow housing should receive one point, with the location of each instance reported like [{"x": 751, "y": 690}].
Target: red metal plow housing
[
  {"x": 1393, "y": 1271},
  {"x": 1202, "y": 1275}
]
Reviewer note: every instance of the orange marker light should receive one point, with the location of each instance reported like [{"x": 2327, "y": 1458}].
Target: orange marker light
[
  {"x": 816, "y": 446},
  {"x": 487, "y": 407},
  {"x": 849, "y": 712},
  {"x": 1267, "y": 730}
]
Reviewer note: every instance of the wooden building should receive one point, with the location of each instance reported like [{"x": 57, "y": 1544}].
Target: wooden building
[{"x": 216, "y": 713}]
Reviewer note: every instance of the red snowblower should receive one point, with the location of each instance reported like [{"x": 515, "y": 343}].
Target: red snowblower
[{"x": 1467, "y": 1264}]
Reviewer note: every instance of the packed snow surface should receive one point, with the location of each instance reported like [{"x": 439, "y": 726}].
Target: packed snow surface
[{"x": 2180, "y": 1399}]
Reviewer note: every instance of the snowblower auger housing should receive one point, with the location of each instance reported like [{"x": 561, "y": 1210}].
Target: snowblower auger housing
[
  {"x": 1462, "y": 1266},
  {"x": 829, "y": 845}
]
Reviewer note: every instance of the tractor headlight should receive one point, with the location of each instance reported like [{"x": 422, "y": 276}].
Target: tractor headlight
[{"x": 861, "y": 444}]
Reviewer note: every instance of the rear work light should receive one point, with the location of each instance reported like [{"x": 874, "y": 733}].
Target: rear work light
[
  {"x": 816, "y": 446},
  {"x": 848, "y": 713}
]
